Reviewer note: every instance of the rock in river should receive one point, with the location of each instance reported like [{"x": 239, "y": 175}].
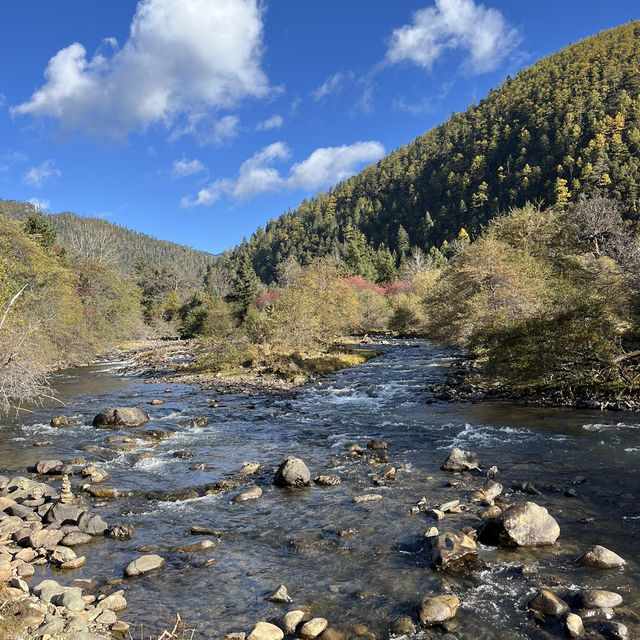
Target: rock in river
[
  {"x": 436, "y": 610},
  {"x": 601, "y": 558},
  {"x": 266, "y": 631},
  {"x": 121, "y": 417},
  {"x": 548, "y": 603},
  {"x": 452, "y": 548},
  {"x": 143, "y": 564},
  {"x": 460, "y": 460},
  {"x": 252, "y": 493},
  {"x": 522, "y": 525},
  {"x": 293, "y": 472}
]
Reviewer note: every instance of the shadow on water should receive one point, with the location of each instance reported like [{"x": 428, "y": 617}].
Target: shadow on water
[{"x": 352, "y": 563}]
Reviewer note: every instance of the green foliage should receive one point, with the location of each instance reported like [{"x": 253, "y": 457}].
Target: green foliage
[
  {"x": 567, "y": 126},
  {"x": 36, "y": 224}
]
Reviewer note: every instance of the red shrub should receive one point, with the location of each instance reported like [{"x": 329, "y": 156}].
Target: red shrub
[{"x": 265, "y": 299}]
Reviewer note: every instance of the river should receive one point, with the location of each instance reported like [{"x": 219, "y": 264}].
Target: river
[{"x": 355, "y": 564}]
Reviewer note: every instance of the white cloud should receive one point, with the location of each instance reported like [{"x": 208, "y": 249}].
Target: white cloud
[
  {"x": 274, "y": 122},
  {"x": 332, "y": 84},
  {"x": 37, "y": 176},
  {"x": 3, "y": 99},
  {"x": 43, "y": 205},
  {"x": 323, "y": 167},
  {"x": 454, "y": 24},
  {"x": 184, "y": 167},
  {"x": 182, "y": 57}
]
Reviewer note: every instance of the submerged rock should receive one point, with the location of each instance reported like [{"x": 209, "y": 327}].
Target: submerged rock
[
  {"x": 252, "y": 493},
  {"x": 121, "y": 417},
  {"x": 292, "y": 472},
  {"x": 599, "y": 599},
  {"x": 548, "y": 603},
  {"x": 330, "y": 480},
  {"x": 460, "y": 460},
  {"x": 522, "y": 525}
]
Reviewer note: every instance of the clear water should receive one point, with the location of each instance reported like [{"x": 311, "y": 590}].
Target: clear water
[{"x": 378, "y": 572}]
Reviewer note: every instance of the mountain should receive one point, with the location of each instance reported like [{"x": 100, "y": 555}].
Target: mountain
[
  {"x": 113, "y": 245},
  {"x": 566, "y": 126}
]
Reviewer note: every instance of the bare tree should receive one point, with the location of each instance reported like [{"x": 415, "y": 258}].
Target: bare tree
[
  {"x": 22, "y": 378},
  {"x": 597, "y": 221},
  {"x": 93, "y": 239},
  {"x": 418, "y": 262}
]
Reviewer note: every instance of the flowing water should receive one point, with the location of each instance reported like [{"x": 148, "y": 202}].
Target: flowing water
[{"x": 355, "y": 564}]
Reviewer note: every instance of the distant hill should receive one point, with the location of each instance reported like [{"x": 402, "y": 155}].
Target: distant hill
[
  {"x": 112, "y": 244},
  {"x": 566, "y": 126}
]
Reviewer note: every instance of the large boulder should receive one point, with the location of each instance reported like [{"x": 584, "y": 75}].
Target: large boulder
[
  {"x": 121, "y": 417},
  {"x": 293, "y": 472},
  {"x": 601, "y": 558},
  {"x": 460, "y": 460},
  {"x": 452, "y": 548},
  {"x": 522, "y": 525}
]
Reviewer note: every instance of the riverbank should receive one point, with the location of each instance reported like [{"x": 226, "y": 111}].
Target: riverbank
[{"x": 464, "y": 383}]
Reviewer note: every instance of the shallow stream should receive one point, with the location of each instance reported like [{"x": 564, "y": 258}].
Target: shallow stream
[{"x": 355, "y": 564}]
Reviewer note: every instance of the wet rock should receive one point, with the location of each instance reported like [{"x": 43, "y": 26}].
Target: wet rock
[
  {"x": 94, "y": 474},
  {"x": 144, "y": 564},
  {"x": 331, "y": 634},
  {"x": 355, "y": 450},
  {"x": 121, "y": 630},
  {"x": 92, "y": 524},
  {"x": 73, "y": 564},
  {"x": 266, "y": 631},
  {"x": 330, "y": 480},
  {"x": 184, "y": 454},
  {"x": 313, "y": 628},
  {"x": 199, "y": 422},
  {"x": 203, "y": 545},
  {"x": 493, "y": 472},
  {"x": 613, "y": 630},
  {"x": 368, "y": 497},
  {"x": 526, "y": 487},
  {"x": 156, "y": 402},
  {"x": 437, "y": 514},
  {"x": 488, "y": 492},
  {"x": 573, "y": 627},
  {"x": 431, "y": 532},
  {"x": 61, "y": 421},
  {"x": 197, "y": 530},
  {"x": 104, "y": 493},
  {"x": 43, "y": 443},
  {"x": 403, "y": 626},
  {"x": 121, "y": 417},
  {"x": 248, "y": 468},
  {"x": 548, "y": 603},
  {"x": 601, "y": 558},
  {"x": 436, "y": 610},
  {"x": 280, "y": 595},
  {"x": 292, "y": 619},
  {"x": 492, "y": 512},
  {"x": 60, "y": 555},
  {"x": 180, "y": 494},
  {"x": 452, "y": 548},
  {"x": 596, "y": 598},
  {"x": 522, "y": 525},
  {"x": 122, "y": 531},
  {"x": 292, "y": 472},
  {"x": 460, "y": 460},
  {"x": 252, "y": 493},
  {"x": 377, "y": 445}
]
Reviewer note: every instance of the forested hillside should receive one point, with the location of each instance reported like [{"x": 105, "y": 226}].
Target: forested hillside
[
  {"x": 113, "y": 245},
  {"x": 569, "y": 125}
]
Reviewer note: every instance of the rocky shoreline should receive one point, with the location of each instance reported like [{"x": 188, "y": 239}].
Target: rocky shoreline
[{"x": 456, "y": 388}]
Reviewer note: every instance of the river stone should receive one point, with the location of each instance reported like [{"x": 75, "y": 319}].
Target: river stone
[
  {"x": 106, "y": 618},
  {"x": 613, "y": 630},
  {"x": 124, "y": 531},
  {"x": 61, "y": 421},
  {"x": 330, "y": 480},
  {"x": 121, "y": 417},
  {"x": 202, "y": 545},
  {"x": 292, "y": 619},
  {"x": 94, "y": 474},
  {"x": 313, "y": 628},
  {"x": 436, "y": 610},
  {"x": 488, "y": 491},
  {"x": 144, "y": 564},
  {"x": 75, "y": 563},
  {"x": 5, "y": 571},
  {"x": 92, "y": 524},
  {"x": 248, "y": 468},
  {"x": 368, "y": 497},
  {"x": 178, "y": 495},
  {"x": 596, "y": 598},
  {"x": 292, "y": 472},
  {"x": 280, "y": 595},
  {"x": 522, "y": 525},
  {"x": 266, "y": 631},
  {"x": 573, "y": 627},
  {"x": 403, "y": 626},
  {"x": 452, "y": 548},
  {"x": 49, "y": 467},
  {"x": 113, "y": 602},
  {"x": 252, "y": 493},
  {"x": 46, "y": 538},
  {"x": 548, "y": 603},
  {"x": 19, "y": 510},
  {"x": 460, "y": 460},
  {"x": 64, "y": 514},
  {"x": 8, "y": 526},
  {"x": 377, "y": 445},
  {"x": 601, "y": 558},
  {"x": 60, "y": 555},
  {"x": 331, "y": 634}
]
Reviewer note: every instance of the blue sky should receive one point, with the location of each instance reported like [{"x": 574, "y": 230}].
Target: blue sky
[{"x": 197, "y": 121}]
